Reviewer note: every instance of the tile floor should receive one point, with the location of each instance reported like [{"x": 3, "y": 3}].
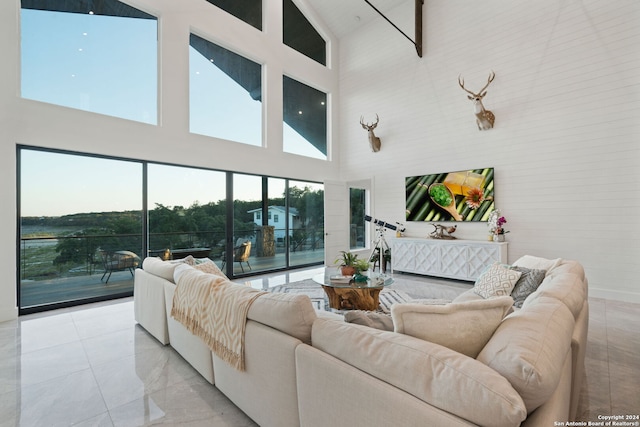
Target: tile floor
[{"x": 94, "y": 366}]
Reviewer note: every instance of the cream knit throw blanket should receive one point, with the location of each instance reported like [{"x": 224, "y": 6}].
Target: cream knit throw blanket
[{"x": 215, "y": 309}]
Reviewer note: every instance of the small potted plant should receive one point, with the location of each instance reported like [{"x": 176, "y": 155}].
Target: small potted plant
[{"x": 350, "y": 264}]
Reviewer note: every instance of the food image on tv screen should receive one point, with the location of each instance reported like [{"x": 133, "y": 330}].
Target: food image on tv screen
[{"x": 451, "y": 196}]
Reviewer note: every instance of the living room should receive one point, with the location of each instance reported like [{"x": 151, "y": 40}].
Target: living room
[{"x": 564, "y": 145}]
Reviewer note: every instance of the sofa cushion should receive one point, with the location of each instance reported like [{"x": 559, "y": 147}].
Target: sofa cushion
[
  {"x": 529, "y": 348},
  {"x": 463, "y": 327},
  {"x": 292, "y": 314},
  {"x": 437, "y": 375},
  {"x": 527, "y": 284},
  {"x": 534, "y": 262},
  {"x": 565, "y": 287},
  {"x": 497, "y": 280},
  {"x": 160, "y": 268},
  {"x": 369, "y": 318},
  {"x": 468, "y": 295},
  {"x": 568, "y": 266}
]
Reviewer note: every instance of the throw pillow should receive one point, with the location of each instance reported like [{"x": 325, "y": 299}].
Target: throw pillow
[
  {"x": 189, "y": 260},
  {"x": 464, "y": 327},
  {"x": 497, "y": 280},
  {"x": 370, "y": 319},
  {"x": 210, "y": 267},
  {"x": 527, "y": 284},
  {"x": 530, "y": 261}
]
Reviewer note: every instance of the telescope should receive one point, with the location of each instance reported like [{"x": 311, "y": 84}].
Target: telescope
[{"x": 384, "y": 224}]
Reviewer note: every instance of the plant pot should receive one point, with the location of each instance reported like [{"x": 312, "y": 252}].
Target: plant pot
[
  {"x": 498, "y": 237},
  {"x": 347, "y": 270}
]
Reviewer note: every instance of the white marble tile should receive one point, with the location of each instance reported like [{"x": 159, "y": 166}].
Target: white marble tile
[
  {"x": 193, "y": 402},
  {"x": 118, "y": 345},
  {"x": 43, "y": 332},
  {"x": 60, "y": 402},
  {"x": 102, "y": 420},
  {"x": 104, "y": 322},
  {"x": 52, "y": 362},
  {"x": 125, "y": 380}
]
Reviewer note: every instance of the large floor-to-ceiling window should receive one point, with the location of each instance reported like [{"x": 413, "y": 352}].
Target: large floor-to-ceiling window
[
  {"x": 120, "y": 84},
  {"x": 80, "y": 227},
  {"x": 186, "y": 211},
  {"x": 87, "y": 222}
]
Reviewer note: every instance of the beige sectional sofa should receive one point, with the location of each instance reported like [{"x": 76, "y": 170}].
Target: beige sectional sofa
[
  {"x": 312, "y": 368},
  {"x": 277, "y": 323}
]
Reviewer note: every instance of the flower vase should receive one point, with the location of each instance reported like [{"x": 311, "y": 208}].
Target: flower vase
[{"x": 498, "y": 237}]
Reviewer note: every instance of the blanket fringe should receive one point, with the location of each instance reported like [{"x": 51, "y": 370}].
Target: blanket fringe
[{"x": 194, "y": 326}]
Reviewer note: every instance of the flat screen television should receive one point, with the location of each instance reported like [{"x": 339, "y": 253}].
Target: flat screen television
[{"x": 451, "y": 196}]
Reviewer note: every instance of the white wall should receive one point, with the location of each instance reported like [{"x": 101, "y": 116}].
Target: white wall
[
  {"x": 38, "y": 124},
  {"x": 566, "y": 146},
  {"x": 566, "y": 143}
]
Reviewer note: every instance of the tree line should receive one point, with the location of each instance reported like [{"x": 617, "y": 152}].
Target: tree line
[{"x": 170, "y": 226}]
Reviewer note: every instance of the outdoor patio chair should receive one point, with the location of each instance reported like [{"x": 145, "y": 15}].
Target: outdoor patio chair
[
  {"x": 118, "y": 261},
  {"x": 240, "y": 254}
]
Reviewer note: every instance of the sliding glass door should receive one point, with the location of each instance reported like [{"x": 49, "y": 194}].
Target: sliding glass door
[
  {"x": 87, "y": 222},
  {"x": 187, "y": 212},
  {"x": 80, "y": 227},
  {"x": 306, "y": 213}
]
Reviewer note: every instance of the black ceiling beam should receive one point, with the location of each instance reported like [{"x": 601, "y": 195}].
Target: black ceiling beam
[{"x": 418, "y": 25}]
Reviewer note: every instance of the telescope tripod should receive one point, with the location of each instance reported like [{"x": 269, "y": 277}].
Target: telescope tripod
[{"x": 380, "y": 251}]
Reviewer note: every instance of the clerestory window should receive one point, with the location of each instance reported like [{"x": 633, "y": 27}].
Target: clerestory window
[
  {"x": 225, "y": 95},
  {"x": 305, "y": 119},
  {"x": 299, "y": 34},
  {"x": 249, "y": 11},
  {"x": 92, "y": 56}
]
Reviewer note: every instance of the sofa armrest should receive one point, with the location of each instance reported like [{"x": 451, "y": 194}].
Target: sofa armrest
[
  {"x": 149, "y": 304},
  {"x": 434, "y": 374},
  {"x": 578, "y": 351}
]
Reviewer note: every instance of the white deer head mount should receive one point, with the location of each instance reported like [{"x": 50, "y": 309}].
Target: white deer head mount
[
  {"x": 374, "y": 141},
  {"x": 484, "y": 118}
]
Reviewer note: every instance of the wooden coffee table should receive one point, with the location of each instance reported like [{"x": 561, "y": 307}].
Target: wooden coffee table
[{"x": 347, "y": 294}]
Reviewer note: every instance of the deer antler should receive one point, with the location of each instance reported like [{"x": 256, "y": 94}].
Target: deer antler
[
  {"x": 368, "y": 126},
  {"x": 489, "y": 80},
  {"x": 461, "y": 83}
]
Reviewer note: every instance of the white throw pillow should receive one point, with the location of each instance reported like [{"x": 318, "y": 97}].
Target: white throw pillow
[
  {"x": 207, "y": 266},
  {"x": 463, "y": 327},
  {"x": 497, "y": 280},
  {"x": 537, "y": 263}
]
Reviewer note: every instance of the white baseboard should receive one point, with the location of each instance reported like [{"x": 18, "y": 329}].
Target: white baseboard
[
  {"x": 8, "y": 314},
  {"x": 632, "y": 297}
]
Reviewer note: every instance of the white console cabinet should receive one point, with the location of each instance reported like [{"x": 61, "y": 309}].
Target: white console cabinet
[{"x": 454, "y": 259}]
